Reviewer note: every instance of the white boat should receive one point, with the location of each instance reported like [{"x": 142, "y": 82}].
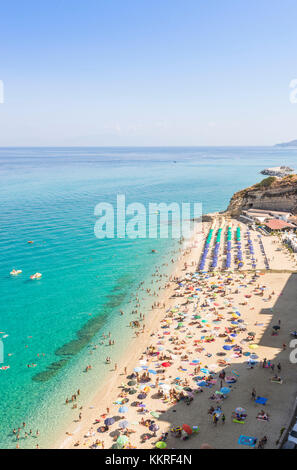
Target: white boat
[
  {"x": 15, "y": 272},
  {"x": 36, "y": 276}
]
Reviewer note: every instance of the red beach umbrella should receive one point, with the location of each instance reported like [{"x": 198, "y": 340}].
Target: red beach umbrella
[
  {"x": 187, "y": 429},
  {"x": 166, "y": 364}
]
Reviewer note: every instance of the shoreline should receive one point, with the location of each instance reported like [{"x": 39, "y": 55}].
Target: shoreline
[{"x": 110, "y": 386}]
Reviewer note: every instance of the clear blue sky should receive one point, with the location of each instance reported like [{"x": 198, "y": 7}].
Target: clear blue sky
[{"x": 147, "y": 72}]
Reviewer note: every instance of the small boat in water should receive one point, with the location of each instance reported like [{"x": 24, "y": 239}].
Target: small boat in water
[
  {"x": 15, "y": 272},
  {"x": 36, "y": 276}
]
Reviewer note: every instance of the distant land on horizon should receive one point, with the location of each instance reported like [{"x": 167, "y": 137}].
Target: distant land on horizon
[{"x": 292, "y": 143}]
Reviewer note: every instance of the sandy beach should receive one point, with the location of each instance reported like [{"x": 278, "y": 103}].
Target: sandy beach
[{"x": 196, "y": 341}]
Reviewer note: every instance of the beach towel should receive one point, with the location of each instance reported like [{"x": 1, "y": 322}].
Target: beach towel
[
  {"x": 261, "y": 400},
  {"x": 235, "y": 373},
  {"x": 247, "y": 441}
]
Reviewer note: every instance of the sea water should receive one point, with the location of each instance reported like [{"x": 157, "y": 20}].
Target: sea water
[{"x": 48, "y": 196}]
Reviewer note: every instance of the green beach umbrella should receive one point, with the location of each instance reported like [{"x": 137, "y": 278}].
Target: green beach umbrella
[
  {"x": 161, "y": 445},
  {"x": 122, "y": 440},
  {"x": 155, "y": 414}
]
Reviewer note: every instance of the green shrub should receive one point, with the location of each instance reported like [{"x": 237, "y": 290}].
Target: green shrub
[{"x": 266, "y": 182}]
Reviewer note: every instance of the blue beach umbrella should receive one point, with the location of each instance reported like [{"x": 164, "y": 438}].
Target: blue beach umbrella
[
  {"x": 123, "y": 424},
  {"x": 123, "y": 409},
  {"x": 108, "y": 421},
  {"x": 225, "y": 390}
]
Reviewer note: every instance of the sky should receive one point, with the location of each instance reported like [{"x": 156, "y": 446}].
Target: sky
[{"x": 148, "y": 72}]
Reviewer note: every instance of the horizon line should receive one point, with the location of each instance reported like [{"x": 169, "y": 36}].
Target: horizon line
[{"x": 143, "y": 146}]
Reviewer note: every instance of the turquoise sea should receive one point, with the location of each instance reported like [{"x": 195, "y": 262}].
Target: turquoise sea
[{"x": 48, "y": 195}]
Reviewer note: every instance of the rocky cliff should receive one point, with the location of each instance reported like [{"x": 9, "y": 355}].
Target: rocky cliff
[{"x": 270, "y": 194}]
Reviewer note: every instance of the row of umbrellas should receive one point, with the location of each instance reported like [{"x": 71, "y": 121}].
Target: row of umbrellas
[
  {"x": 251, "y": 249},
  {"x": 205, "y": 250},
  {"x": 229, "y": 238},
  {"x": 239, "y": 251},
  {"x": 216, "y": 249}
]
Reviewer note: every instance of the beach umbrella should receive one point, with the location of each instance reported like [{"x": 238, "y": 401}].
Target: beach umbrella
[
  {"x": 227, "y": 348},
  {"x": 123, "y": 409},
  {"x": 131, "y": 382},
  {"x": 154, "y": 427},
  {"x": 109, "y": 421},
  {"x": 166, "y": 364},
  {"x": 132, "y": 391},
  {"x": 122, "y": 440},
  {"x": 161, "y": 445},
  {"x": 123, "y": 424},
  {"x": 239, "y": 410},
  {"x": 187, "y": 429},
  {"x": 155, "y": 414},
  {"x": 225, "y": 390},
  {"x": 151, "y": 371},
  {"x": 142, "y": 386},
  {"x": 165, "y": 387}
]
